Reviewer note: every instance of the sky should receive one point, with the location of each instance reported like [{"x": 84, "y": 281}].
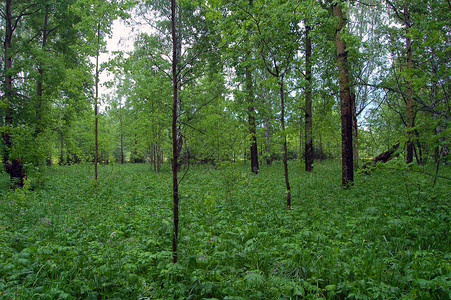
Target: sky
[{"x": 121, "y": 40}]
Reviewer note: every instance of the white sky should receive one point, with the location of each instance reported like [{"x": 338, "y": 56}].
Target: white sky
[{"x": 121, "y": 40}]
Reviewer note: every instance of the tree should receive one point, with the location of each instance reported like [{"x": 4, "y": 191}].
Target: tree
[
  {"x": 417, "y": 90},
  {"x": 309, "y": 158},
  {"x": 13, "y": 14},
  {"x": 345, "y": 98},
  {"x": 97, "y": 18},
  {"x": 277, "y": 45}
]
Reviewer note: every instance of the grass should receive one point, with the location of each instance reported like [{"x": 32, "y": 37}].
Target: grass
[{"x": 387, "y": 237}]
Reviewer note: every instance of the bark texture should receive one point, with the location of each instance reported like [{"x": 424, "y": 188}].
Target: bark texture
[
  {"x": 285, "y": 150},
  {"x": 175, "y": 131},
  {"x": 40, "y": 82},
  {"x": 13, "y": 166},
  {"x": 345, "y": 100},
  {"x": 252, "y": 124},
  {"x": 409, "y": 92},
  {"x": 355, "y": 130},
  {"x": 309, "y": 156},
  {"x": 96, "y": 109}
]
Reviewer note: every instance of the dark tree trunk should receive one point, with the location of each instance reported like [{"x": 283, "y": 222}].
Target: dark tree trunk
[
  {"x": 159, "y": 156},
  {"x": 409, "y": 92},
  {"x": 16, "y": 171},
  {"x": 40, "y": 81},
  {"x": 153, "y": 145},
  {"x": 96, "y": 109},
  {"x": 383, "y": 157},
  {"x": 301, "y": 149},
  {"x": 6, "y": 135},
  {"x": 122, "y": 132},
  {"x": 14, "y": 167},
  {"x": 309, "y": 156},
  {"x": 61, "y": 162},
  {"x": 175, "y": 131},
  {"x": 321, "y": 150},
  {"x": 346, "y": 101},
  {"x": 285, "y": 150},
  {"x": 268, "y": 142},
  {"x": 252, "y": 124},
  {"x": 355, "y": 130},
  {"x": 178, "y": 52}
]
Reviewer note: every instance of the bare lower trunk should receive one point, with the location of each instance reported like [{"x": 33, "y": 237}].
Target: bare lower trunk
[
  {"x": 355, "y": 131},
  {"x": 301, "y": 149},
  {"x": 409, "y": 92},
  {"x": 178, "y": 53},
  {"x": 14, "y": 167},
  {"x": 309, "y": 157},
  {"x": 96, "y": 109},
  {"x": 175, "y": 132},
  {"x": 61, "y": 162},
  {"x": 321, "y": 150},
  {"x": 122, "y": 134},
  {"x": 285, "y": 150},
  {"x": 6, "y": 135},
  {"x": 39, "y": 88},
  {"x": 268, "y": 142},
  {"x": 346, "y": 102},
  {"x": 252, "y": 124},
  {"x": 159, "y": 156}
]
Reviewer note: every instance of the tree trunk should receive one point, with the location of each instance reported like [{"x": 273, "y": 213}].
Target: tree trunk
[
  {"x": 39, "y": 88},
  {"x": 268, "y": 142},
  {"x": 122, "y": 133},
  {"x": 13, "y": 167},
  {"x": 285, "y": 150},
  {"x": 346, "y": 101},
  {"x": 321, "y": 150},
  {"x": 159, "y": 156},
  {"x": 6, "y": 135},
  {"x": 175, "y": 132},
  {"x": 178, "y": 41},
  {"x": 309, "y": 157},
  {"x": 301, "y": 149},
  {"x": 96, "y": 100},
  {"x": 252, "y": 125},
  {"x": 355, "y": 130},
  {"x": 61, "y": 162},
  {"x": 409, "y": 92}
]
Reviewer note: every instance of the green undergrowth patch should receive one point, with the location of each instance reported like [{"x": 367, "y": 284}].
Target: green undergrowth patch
[{"x": 386, "y": 237}]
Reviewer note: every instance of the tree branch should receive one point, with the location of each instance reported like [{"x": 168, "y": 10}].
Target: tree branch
[{"x": 22, "y": 14}]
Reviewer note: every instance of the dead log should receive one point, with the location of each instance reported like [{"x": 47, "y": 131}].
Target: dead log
[{"x": 383, "y": 157}]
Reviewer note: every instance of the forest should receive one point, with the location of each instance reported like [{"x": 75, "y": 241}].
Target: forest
[{"x": 239, "y": 149}]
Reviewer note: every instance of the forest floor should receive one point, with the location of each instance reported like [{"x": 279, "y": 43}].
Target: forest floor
[{"x": 386, "y": 237}]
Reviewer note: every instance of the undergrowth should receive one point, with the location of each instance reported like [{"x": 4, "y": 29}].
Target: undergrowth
[{"x": 386, "y": 237}]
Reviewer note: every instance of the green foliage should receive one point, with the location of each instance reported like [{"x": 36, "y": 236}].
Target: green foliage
[{"x": 387, "y": 237}]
